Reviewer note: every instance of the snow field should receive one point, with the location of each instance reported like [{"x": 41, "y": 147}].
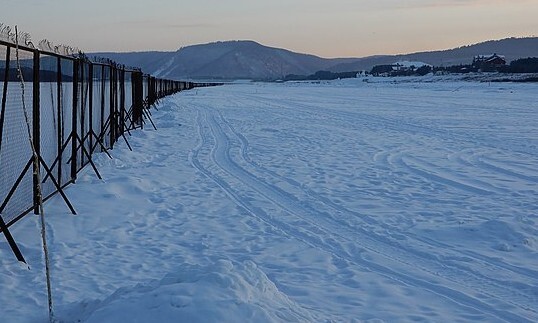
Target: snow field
[{"x": 302, "y": 202}]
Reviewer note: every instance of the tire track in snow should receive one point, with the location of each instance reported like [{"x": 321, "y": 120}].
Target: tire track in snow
[
  {"x": 493, "y": 267},
  {"x": 316, "y": 234},
  {"x": 386, "y": 160},
  {"x": 427, "y": 170},
  {"x": 279, "y": 226},
  {"x": 502, "y": 176},
  {"x": 471, "y": 158},
  {"x": 377, "y": 122},
  {"x": 383, "y": 158},
  {"x": 495, "y": 167}
]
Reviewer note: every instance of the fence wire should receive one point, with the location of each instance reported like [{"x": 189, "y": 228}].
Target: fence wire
[{"x": 79, "y": 107}]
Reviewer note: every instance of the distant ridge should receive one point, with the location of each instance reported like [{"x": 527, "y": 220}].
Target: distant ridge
[
  {"x": 511, "y": 48},
  {"x": 247, "y": 59}
]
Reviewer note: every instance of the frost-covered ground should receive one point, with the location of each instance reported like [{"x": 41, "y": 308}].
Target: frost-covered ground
[{"x": 337, "y": 201}]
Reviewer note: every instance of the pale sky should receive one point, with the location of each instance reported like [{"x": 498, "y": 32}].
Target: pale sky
[{"x": 327, "y": 28}]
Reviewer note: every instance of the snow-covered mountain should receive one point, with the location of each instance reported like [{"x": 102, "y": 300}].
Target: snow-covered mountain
[
  {"x": 226, "y": 60},
  {"x": 251, "y": 60}
]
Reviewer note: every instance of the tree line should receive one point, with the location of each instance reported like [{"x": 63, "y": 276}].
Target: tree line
[{"x": 522, "y": 65}]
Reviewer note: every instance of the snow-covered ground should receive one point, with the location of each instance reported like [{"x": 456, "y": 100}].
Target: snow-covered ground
[{"x": 341, "y": 201}]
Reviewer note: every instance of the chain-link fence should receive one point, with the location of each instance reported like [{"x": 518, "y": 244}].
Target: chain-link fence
[{"x": 77, "y": 107}]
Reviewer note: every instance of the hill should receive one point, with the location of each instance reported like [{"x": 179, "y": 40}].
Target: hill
[
  {"x": 251, "y": 60},
  {"x": 226, "y": 60},
  {"x": 511, "y": 48}
]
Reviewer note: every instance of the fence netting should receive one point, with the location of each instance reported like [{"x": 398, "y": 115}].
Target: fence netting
[
  {"x": 15, "y": 149},
  {"x": 76, "y": 107}
]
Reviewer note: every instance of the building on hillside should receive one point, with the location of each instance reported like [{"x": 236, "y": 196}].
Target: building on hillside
[
  {"x": 402, "y": 68},
  {"x": 382, "y": 70},
  {"x": 489, "y": 63}
]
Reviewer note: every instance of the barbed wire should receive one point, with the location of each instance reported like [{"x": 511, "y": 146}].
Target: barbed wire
[
  {"x": 15, "y": 37},
  {"x": 7, "y": 34},
  {"x": 47, "y": 46},
  {"x": 108, "y": 61}
]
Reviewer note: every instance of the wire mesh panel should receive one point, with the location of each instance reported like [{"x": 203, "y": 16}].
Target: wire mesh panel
[
  {"x": 66, "y": 119},
  {"x": 105, "y": 106},
  {"x": 15, "y": 149},
  {"x": 146, "y": 87},
  {"x": 49, "y": 125},
  {"x": 113, "y": 104},
  {"x": 128, "y": 103},
  {"x": 96, "y": 117},
  {"x": 128, "y": 90},
  {"x": 83, "y": 114}
]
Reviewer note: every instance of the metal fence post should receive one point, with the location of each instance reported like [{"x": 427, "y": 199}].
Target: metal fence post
[
  {"x": 103, "y": 89},
  {"x": 59, "y": 114},
  {"x": 36, "y": 123},
  {"x": 138, "y": 96},
  {"x": 112, "y": 112},
  {"x": 82, "y": 96},
  {"x": 4, "y": 95},
  {"x": 76, "y": 66},
  {"x": 122, "y": 100},
  {"x": 90, "y": 105}
]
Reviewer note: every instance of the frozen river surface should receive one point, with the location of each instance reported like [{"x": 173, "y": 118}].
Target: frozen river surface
[{"x": 337, "y": 201}]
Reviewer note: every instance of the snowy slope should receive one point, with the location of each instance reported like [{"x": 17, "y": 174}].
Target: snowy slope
[
  {"x": 226, "y": 60},
  {"x": 300, "y": 202}
]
